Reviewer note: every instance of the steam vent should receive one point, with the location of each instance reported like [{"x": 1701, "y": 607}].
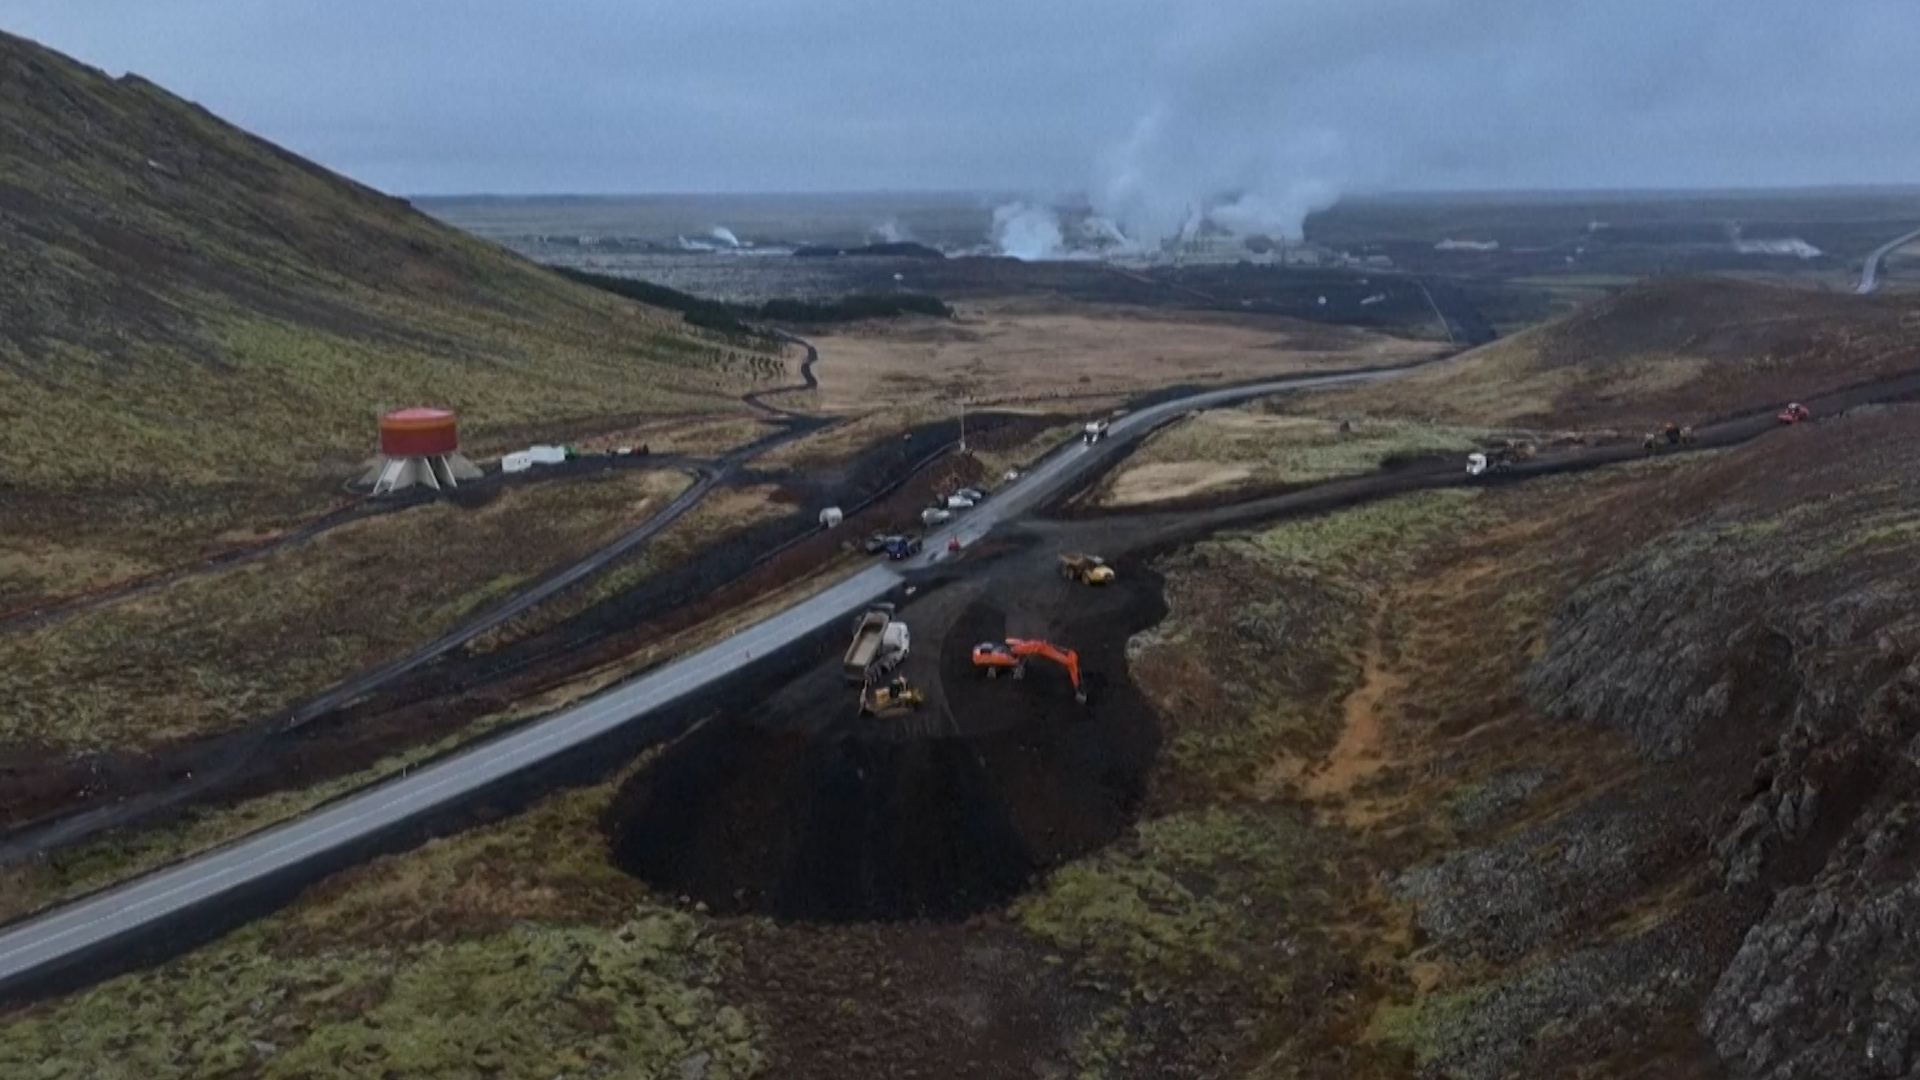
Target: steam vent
[{"x": 419, "y": 446}]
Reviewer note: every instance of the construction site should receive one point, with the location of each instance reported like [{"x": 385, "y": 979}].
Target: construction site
[{"x": 1205, "y": 670}]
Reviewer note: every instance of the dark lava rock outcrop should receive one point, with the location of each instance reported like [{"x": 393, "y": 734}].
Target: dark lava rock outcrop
[
  {"x": 1828, "y": 984},
  {"x": 1754, "y": 632}
]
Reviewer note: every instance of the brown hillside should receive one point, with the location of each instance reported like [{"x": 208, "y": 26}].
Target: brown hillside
[
  {"x": 1681, "y": 349},
  {"x": 185, "y": 309}
]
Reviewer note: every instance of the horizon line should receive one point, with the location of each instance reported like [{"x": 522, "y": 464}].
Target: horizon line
[{"x": 1861, "y": 188}]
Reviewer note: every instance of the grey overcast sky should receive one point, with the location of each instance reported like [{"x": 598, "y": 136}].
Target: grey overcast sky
[{"x": 1146, "y": 106}]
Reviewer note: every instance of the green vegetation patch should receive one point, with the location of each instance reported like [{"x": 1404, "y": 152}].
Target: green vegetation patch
[
  {"x": 1180, "y": 899},
  {"x": 1368, "y": 540},
  {"x": 1430, "y": 1024},
  {"x": 634, "y": 1000},
  {"x": 1227, "y": 448},
  {"x": 514, "y": 951},
  {"x": 1262, "y": 639}
]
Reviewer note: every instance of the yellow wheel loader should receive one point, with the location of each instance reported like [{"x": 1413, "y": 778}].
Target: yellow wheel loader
[{"x": 894, "y": 697}]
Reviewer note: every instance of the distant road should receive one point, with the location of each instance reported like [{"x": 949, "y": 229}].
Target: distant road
[
  {"x": 1870, "y": 272},
  {"x": 67, "y": 936}
]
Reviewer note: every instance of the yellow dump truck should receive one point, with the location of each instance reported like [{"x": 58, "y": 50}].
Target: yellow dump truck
[{"x": 1086, "y": 569}]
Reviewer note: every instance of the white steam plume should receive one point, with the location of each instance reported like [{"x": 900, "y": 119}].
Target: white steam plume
[
  {"x": 889, "y": 231},
  {"x": 725, "y": 236},
  {"x": 1177, "y": 172},
  {"x": 1027, "y": 231}
]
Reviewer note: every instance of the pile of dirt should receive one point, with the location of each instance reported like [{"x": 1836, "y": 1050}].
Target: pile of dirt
[{"x": 801, "y": 809}]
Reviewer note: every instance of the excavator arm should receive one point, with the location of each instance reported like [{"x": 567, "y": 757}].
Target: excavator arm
[{"x": 1027, "y": 649}]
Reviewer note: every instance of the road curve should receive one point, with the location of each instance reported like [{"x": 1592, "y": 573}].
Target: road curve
[
  {"x": 55, "y": 610},
  {"x": 38, "y": 837},
  {"x": 64, "y": 936},
  {"x": 1870, "y": 270}
]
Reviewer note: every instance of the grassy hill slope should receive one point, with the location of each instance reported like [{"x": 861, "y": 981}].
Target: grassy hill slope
[
  {"x": 197, "y": 328},
  {"x": 1679, "y": 349}
]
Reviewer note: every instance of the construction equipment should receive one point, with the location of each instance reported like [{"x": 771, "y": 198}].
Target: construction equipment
[
  {"x": 1793, "y": 413},
  {"x": 895, "y": 696},
  {"x": 1093, "y": 432},
  {"x": 1011, "y": 656},
  {"x": 993, "y": 657},
  {"x": 1670, "y": 434},
  {"x": 880, "y": 642},
  {"x": 1086, "y": 569},
  {"x": 1512, "y": 452}
]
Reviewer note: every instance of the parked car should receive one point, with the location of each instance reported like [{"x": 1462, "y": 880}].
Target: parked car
[
  {"x": 877, "y": 543},
  {"x": 901, "y": 547},
  {"x": 935, "y": 516}
]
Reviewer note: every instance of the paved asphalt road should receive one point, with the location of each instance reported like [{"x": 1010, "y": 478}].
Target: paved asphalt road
[
  {"x": 1870, "y": 270},
  {"x": 49, "y": 939}
]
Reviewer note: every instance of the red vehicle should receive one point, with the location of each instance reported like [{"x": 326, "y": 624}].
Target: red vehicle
[{"x": 1793, "y": 414}]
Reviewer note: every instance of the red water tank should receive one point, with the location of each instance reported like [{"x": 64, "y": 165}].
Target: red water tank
[{"x": 418, "y": 433}]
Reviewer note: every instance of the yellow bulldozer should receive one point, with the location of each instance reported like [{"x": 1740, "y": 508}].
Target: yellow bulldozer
[
  {"x": 891, "y": 698},
  {"x": 1086, "y": 569}
]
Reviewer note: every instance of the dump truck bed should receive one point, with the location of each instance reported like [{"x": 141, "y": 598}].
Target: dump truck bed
[{"x": 866, "y": 644}]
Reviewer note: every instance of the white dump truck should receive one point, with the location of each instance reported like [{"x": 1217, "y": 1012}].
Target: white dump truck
[
  {"x": 880, "y": 642},
  {"x": 1094, "y": 431}
]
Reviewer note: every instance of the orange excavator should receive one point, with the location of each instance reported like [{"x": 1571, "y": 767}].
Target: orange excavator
[{"x": 1012, "y": 655}]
